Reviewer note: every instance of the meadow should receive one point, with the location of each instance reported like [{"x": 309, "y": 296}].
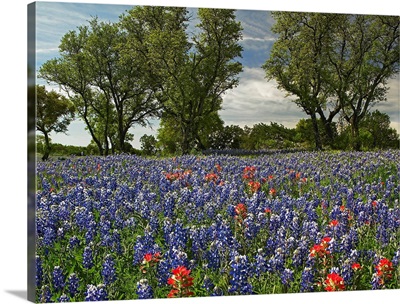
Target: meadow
[{"x": 128, "y": 227}]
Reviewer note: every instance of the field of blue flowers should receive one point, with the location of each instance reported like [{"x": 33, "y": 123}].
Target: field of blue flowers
[{"x": 126, "y": 227}]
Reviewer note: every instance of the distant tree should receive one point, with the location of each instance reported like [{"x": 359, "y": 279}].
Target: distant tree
[
  {"x": 148, "y": 144},
  {"x": 377, "y": 126},
  {"x": 54, "y": 113},
  {"x": 274, "y": 136},
  {"x": 304, "y": 133},
  {"x": 228, "y": 137}
]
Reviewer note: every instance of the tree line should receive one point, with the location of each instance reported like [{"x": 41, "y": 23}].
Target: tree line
[{"x": 149, "y": 66}]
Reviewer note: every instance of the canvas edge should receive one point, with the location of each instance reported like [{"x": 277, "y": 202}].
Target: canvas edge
[{"x": 31, "y": 146}]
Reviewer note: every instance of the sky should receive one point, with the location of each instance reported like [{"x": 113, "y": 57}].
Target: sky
[{"x": 254, "y": 100}]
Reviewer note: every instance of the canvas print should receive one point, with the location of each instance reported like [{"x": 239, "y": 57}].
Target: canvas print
[{"x": 199, "y": 152}]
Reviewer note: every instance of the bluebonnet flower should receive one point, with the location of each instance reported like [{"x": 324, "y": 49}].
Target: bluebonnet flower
[
  {"x": 144, "y": 290},
  {"x": 58, "y": 278},
  {"x": 63, "y": 298},
  {"x": 73, "y": 242},
  {"x": 347, "y": 272},
  {"x": 39, "y": 271},
  {"x": 49, "y": 236},
  {"x": 144, "y": 244},
  {"x": 277, "y": 261},
  {"x": 240, "y": 274},
  {"x": 178, "y": 236},
  {"x": 251, "y": 228},
  {"x": 307, "y": 280},
  {"x": 213, "y": 256},
  {"x": 178, "y": 258},
  {"x": 208, "y": 284},
  {"x": 90, "y": 232},
  {"x": 73, "y": 284},
  {"x": 45, "y": 295},
  {"x": 396, "y": 258},
  {"x": 87, "y": 257},
  {"x": 96, "y": 293},
  {"x": 260, "y": 265},
  {"x": 108, "y": 271},
  {"x": 300, "y": 254},
  {"x": 198, "y": 236},
  {"x": 217, "y": 292},
  {"x": 287, "y": 276},
  {"x": 376, "y": 282}
]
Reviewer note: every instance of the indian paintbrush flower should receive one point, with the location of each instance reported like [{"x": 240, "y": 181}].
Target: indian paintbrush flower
[{"x": 181, "y": 281}]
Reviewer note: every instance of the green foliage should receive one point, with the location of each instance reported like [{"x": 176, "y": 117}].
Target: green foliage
[
  {"x": 228, "y": 137},
  {"x": 334, "y": 63},
  {"x": 148, "y": 144},
  {"x": 374, "y": 133},
  {"x": 110, "y": 94},
  {"x": 54, "y": 113},
  {"x": 189, "y": 78},
  {"x": 304, "y": 134}
]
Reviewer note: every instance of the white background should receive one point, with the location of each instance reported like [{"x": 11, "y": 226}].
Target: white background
[{"x": 13, "y": 248}]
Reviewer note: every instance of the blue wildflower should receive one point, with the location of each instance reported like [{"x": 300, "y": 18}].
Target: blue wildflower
[
  {"x": 73, "y": 284},
  {"x": 63, "y": 298},
  {"x": 87, "y": 257},
  {"x": 96, "y": 293},
  {"x": 108, "y": 271},
  {"x": 58, "y": 278},
  {"x": 240, "y": 274},
  {"x": 287, "y": 276},
  {"x": 39, "y": 271},
  {"x": 144, "y": 290},
  {"x": 45, "y": 296}
]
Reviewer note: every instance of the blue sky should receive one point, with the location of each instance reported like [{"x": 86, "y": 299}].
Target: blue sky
[{"x": 254, "y": 100}]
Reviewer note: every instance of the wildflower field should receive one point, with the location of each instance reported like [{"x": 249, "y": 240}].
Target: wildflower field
[{"x": 126, "y": 227}]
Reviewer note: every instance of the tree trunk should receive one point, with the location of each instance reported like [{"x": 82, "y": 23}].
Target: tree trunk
[
  {"x": 355, "y": 134},
  {"x": 317, "y": 137},
  {"x": 47, "y": 147}
]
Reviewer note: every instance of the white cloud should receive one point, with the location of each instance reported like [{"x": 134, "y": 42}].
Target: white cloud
[{"x": 257, "y": 100}]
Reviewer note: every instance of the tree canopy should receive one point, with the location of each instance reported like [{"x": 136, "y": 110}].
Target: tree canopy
[
  {"x": 54, "y": 113},
  {"x": 334, "y": 63}
]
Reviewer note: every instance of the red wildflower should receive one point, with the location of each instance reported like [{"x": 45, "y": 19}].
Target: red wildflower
[
  {"x": 384, "y": 269},
  {"x": 334, "y": 282},
  {"x": 211, "y": 177},
  {"x": 181, "y": 281},
  {"x": 325, "y": 241},
  {"x": 147, "y": 257},
  {"x": 219, "y": 168},
  {"x": 374, "y": 204},
  {"x": 355, "y": 266},
  {"x": 319, "y": 251},
  {"x": 149, "y": 260},
  {"x": 272, "y": 191},
  {"x": 333, "y": 223},
  {"x": 267, "y": 210},
  {"x": 248, "y": 172},
  {"x": 254, "y": 186},
  {"x": 241, "y": 211}
]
